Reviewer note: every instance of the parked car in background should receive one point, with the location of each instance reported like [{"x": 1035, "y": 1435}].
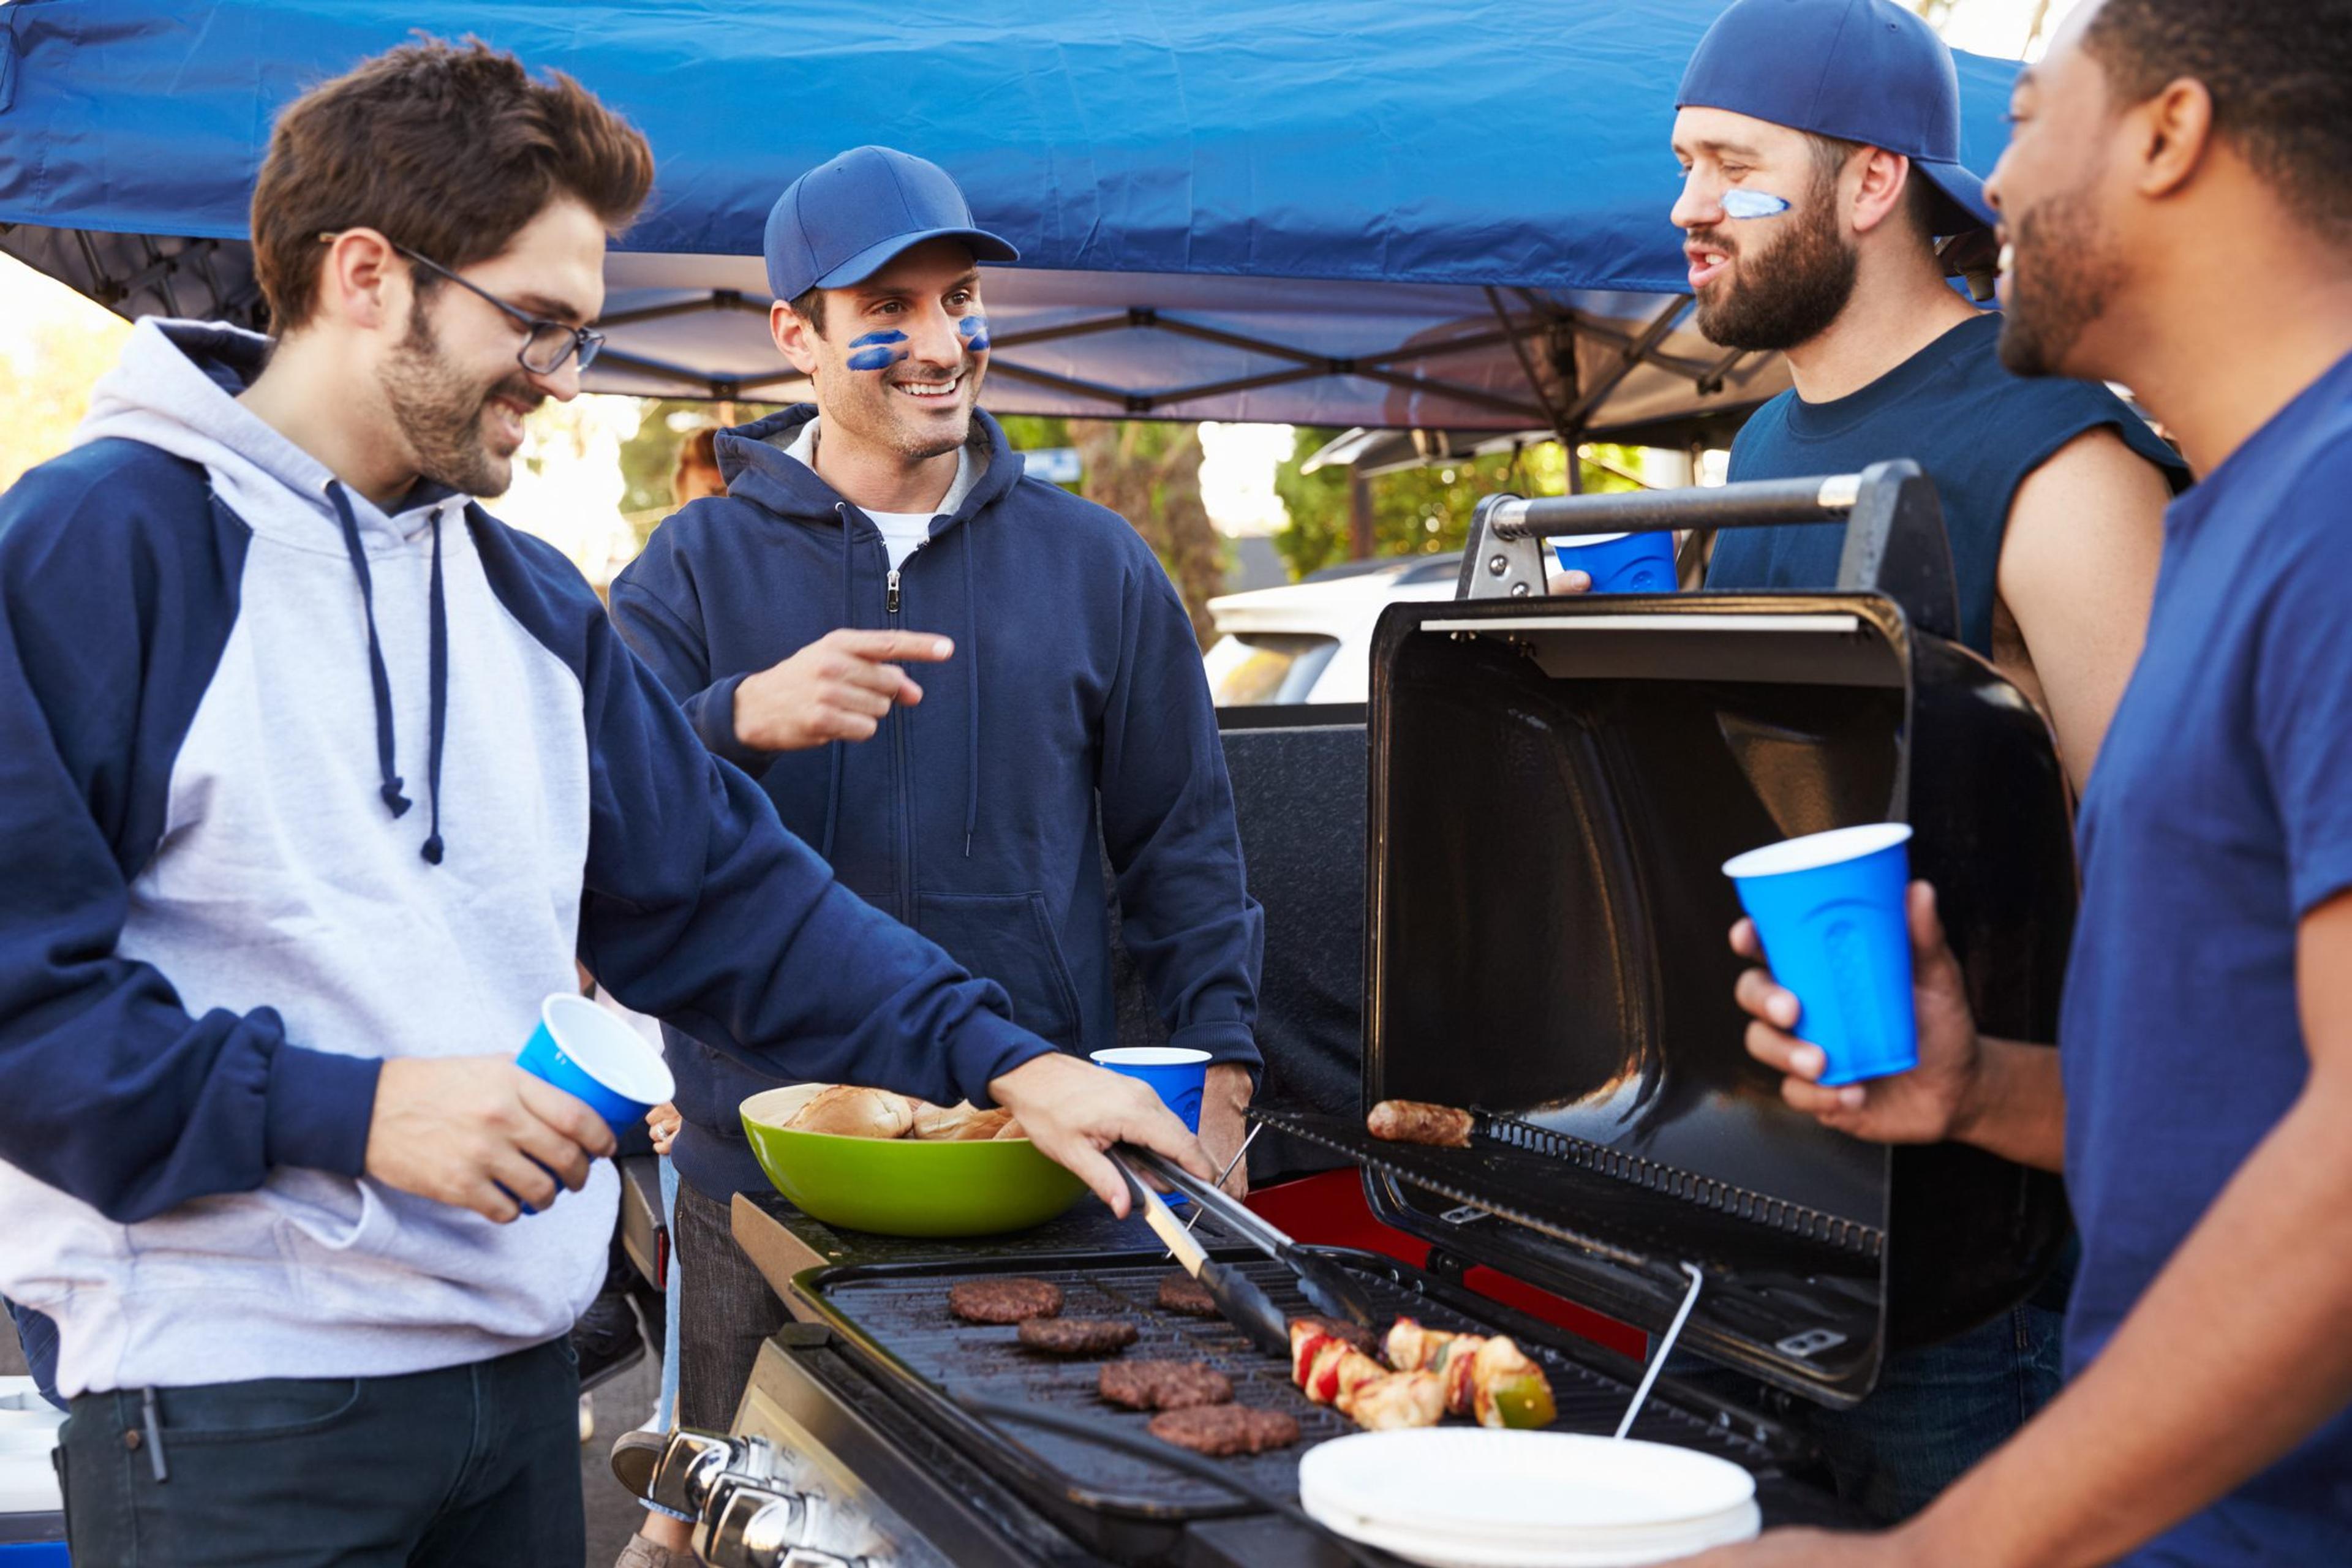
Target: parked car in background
[{"x": 1312, "y": 641}]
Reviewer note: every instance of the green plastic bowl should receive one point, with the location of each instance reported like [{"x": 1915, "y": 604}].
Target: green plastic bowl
[{"x": 896, "y": 1187}]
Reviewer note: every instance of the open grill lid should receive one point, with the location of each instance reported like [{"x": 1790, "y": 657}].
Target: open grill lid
[{"x": 1554, "y": 785}]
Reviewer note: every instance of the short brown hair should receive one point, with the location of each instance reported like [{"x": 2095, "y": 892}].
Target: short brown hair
[
  {"x": 810, "y": 308},
  {"x": 1923, "y": 204},
  {"x": 448, "y": 149},
  {"x": 2279, "y": 73}
]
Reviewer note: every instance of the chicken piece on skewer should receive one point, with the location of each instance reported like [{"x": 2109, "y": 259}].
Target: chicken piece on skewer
[
  {"x": 1508, "y": 1389},
  {"x": 1324, "y": 1365},
  {"x": 1490, "y": 1379},
  {"x": 1398, "y": 1400}
]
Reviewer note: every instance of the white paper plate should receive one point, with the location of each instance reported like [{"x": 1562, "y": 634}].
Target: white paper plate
[
  {"x": 1479, "y": 1482},
  {"x": 1438, "y": 1549}
]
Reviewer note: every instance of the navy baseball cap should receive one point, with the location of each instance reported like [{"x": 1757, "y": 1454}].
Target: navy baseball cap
[
  {"x": 1860, "y": 70},
  {"x": 844, "y": 221}
]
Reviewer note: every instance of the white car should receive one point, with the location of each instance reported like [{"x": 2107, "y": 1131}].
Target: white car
[{"x": 1312, "y": 642}]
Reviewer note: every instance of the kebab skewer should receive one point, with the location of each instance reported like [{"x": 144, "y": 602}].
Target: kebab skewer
[{"x": 1487, "y": 1378}]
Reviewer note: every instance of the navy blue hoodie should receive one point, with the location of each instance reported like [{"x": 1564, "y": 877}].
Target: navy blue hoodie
[{"x": 974, "y": 815}]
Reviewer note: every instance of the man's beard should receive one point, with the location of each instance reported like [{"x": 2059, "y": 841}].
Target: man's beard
[
  {"x": 440, "y": 412},
  {"x": 1788, "y": 294},
  {"x": 2064, "y": 271}
]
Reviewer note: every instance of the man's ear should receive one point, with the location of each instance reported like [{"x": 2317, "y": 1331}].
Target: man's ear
[
  {"x": 1881, "y": 181},
  {"x": 2169, "y": 137},
  {"x": 362, "y": 282},
  {"x": 796, "y": 337}
]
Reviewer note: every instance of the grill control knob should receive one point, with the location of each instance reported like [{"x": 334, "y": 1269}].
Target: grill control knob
[{"x": 749, "y": 1526}]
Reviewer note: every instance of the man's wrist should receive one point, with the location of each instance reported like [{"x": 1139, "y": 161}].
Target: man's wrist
[{"x": 1979, "y": 1093}]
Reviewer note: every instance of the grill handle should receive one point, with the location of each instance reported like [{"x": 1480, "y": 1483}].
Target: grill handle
[{"x": 1894, "y": 540}]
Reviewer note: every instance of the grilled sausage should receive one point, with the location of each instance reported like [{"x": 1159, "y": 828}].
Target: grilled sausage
[{"x": 1415, "y": 1122}]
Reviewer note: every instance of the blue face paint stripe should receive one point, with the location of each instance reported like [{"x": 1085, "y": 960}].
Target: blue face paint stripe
[
  {"x": 877, "y": 353},
  {"x": 1753, "y": 204},
  {"x": 974, "y": 329}
]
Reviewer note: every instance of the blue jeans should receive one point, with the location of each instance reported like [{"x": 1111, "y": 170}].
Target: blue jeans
[
  {"x": 1939, "y": 1409},
  {"x": 666, "y": 1408},
  {"x": 469, "y": 1466}
]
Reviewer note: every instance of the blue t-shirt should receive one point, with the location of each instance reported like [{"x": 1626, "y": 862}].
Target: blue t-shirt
[
  {"x": 2220, "y": 814},
  {"x": 1953, "y": 409}
]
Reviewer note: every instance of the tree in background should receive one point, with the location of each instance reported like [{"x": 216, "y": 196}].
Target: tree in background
[
  {"x": 47, "y": 374},
  {"x": 1419, "y": 511},
  {"x": 1149, "y": 472}
]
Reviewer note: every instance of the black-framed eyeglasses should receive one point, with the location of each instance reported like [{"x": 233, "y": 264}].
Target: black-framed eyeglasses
[{"x": 546, "y": 344}]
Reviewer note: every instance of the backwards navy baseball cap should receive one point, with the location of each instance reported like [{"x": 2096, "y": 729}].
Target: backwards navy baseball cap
[
  {"x": 845, "y": 220},
  {"x": 1860, "y": 70}
]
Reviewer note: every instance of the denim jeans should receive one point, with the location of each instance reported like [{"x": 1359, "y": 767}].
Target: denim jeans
[
  {"x": 1939, "y": 1410},
  {"x": 723, "y": 1319},
  {"x": 665, "y": 1404},
  {"x": 469, "y": 1466}
]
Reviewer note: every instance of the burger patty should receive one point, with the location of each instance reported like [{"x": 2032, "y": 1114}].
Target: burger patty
[
  {"x": 1222, "y": 1430},
  {"x": 1163, "y": 1384},
  {"x": 1005, "y": 1301},
  {"x": 1179, "y": 1293},
  {"x": 1077, "y": 1336},
  {"x": 1354, "y": 1335}
]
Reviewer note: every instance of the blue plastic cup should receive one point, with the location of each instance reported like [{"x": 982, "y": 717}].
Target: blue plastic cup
[
  {"x": 1620, "y": 563},
  {"x": 594, "y": 1056},
  {"x": 1179, "y": 1076},
  {"x": 1829, "y": 907}
]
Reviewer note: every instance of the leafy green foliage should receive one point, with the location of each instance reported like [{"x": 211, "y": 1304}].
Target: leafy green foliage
[{"x": 1417, "y": 511}]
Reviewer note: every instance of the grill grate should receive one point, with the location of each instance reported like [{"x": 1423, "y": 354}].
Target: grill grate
[
  {"x": 1741, "y": 1203},
  {"x": 901, "y": 1318}
]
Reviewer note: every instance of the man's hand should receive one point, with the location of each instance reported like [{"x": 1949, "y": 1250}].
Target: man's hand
[
  {"x": 1931, "y": 1102},
  {"x": 1223, "y": 1128},
  {"x": 1072, "y": 1111},
  {"x": 457, "y": 1129},
  {"x": 1559, "y": 581},
  {"x": 1806, "y": 1549},
  {"x": 662, "y": 1123},
  {"x": 836, "y": 688}
]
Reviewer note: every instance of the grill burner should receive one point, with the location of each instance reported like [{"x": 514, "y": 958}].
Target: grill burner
[{"x": 895, "y": 1318}]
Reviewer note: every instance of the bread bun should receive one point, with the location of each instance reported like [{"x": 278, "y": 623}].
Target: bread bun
[
  {"x": 854, "y": 1112},
  {"x": 1011, "y": 1129},
  {"x": 962, "y": 1123}
]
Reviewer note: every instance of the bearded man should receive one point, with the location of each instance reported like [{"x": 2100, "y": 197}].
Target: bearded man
[
  {"x": 1820, "y": 146},
  {"x": 2178, "y": 197},
  {"x": 315, "y": 781}
]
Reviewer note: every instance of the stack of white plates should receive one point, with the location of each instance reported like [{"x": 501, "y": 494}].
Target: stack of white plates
[{"x": 1471, "y": 1497}]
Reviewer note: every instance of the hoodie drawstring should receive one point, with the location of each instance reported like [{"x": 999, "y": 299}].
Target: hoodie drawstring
[
  {"x": 438, "y": 722},
  {"x": 971, "y": 693},
  {"x": 838, "y": 748},
  {"x": 386, "y": 754}
]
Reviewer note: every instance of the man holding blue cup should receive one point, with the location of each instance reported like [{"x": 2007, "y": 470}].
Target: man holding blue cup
[
  {"x": 2167, "y": 153},
  {"x": 315, "y": 781},
  {"x": 1819, "y": 143}
]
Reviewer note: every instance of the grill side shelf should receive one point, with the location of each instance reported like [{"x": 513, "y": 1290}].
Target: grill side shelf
[{"x": 1741, "y": 1203}]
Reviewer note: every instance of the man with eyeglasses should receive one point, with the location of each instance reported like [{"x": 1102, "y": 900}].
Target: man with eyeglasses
[{"x": 315, "y": 781}]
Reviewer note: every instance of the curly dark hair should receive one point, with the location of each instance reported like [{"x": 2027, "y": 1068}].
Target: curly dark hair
[
  {"x": 2280, "y": 73},
  {"x": 448, "y": 149}
]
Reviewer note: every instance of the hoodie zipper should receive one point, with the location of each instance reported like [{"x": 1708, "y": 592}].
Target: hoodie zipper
[{"x": 891, "y": 601}]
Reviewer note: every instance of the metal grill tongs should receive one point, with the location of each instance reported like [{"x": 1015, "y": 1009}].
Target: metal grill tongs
[{"x": 1327, "y": 1286}]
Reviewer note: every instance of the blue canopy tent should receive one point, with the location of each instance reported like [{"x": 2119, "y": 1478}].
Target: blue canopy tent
[{"x": 1378, "y": 213}]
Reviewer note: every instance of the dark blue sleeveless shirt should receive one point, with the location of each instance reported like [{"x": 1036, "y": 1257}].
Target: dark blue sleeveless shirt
[{"x": 1976, "y": 429}]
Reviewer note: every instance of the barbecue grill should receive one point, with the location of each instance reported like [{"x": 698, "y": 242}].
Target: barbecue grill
[{"x": 1553, "y": 786}]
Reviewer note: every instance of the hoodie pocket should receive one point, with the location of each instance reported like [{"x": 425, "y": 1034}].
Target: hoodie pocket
[{"x": 1007, "y": 938}]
